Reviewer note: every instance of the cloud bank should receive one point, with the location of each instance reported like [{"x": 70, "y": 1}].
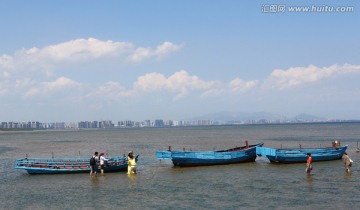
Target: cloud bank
[
  {"x": 78, "y": 51},
  {"x": 181, "y": 83},
  {"x": 19, "y": 76},
  {"x": 298, "y": 76}
]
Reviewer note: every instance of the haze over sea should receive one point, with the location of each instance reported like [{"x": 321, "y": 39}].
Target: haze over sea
[{"x": 158, "y": 185}]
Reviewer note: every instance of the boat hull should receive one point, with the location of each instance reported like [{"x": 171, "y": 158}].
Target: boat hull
[
  {"x": 74, "y": 171},
  {"x": 68, "y": 166},
  {"x": 250, "y": 156},
  {"x": 207, "y": 158},
  {"x": 300, "y": 155}
]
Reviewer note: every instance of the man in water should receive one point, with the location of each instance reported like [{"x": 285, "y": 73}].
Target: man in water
[
  {"x": 309, "y": 164},
  {"x": 94, "y": 166}
]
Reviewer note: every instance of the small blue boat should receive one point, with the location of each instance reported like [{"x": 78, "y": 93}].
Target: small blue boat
[
  {"x": 300, "y": 155},
  {"x": 204, "y": 158},
  {"x": 68, "y": 165}
]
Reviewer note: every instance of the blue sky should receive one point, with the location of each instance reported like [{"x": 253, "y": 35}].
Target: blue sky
[{"x": 137, "y": 60}]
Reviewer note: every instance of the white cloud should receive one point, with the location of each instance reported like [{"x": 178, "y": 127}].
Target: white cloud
[
  {"x": 62, "y": 84},
  {"x": 297, "y": 76},
  {"x": 14, "y": 87},
  {"x": 46, "y": 59},
  {"x": 110, "y": 90},
  {"x": 161, "y": 51},
  {"x": 74, "y": 50},
  {"x": 77, "y": 51},
  {"x": 150, "y": 82},
  {"x": 180, "y": 83},
  {"x": 165, "y": 49},
  {"x": 141, "y": 54},
  {"x": 83, "y": 49},
  {"x": 239, "y": 85},
  {"x": 6, "y": 62}
]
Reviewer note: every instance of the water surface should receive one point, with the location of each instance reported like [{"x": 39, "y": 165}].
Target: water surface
[{"x": 158, "y": 185}]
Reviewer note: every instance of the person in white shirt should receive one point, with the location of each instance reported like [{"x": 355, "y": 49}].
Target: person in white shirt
[{"x": 102, "y": 162}]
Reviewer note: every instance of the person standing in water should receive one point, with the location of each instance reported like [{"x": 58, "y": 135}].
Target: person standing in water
[
  {"x": 93, "y": 164},
  {"x": 309, "y": 164},
  {"x": 131, "y": 163},
  {"x": 102, "y": 162},
  {"x": 347, "y": 163}
]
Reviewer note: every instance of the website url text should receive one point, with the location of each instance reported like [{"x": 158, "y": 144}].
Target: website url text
[{"x": 281, "y": 8}]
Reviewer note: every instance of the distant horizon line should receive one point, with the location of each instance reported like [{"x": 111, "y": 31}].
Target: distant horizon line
[
  {"x": 187, "y": 120},
  {"x": 39, "y": 126}
]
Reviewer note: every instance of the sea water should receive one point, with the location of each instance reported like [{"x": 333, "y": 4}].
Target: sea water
[{"x": 159, "y": 185}]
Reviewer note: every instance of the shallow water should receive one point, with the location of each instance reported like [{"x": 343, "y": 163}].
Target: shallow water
[{"x": 159, "y": 185}]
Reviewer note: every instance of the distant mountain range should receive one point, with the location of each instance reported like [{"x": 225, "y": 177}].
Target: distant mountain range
[
  {"x": 308, "y": 117},
  {"x": 244, "y": 116}
]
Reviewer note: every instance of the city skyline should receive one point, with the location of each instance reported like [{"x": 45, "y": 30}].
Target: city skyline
[
  {"x": 64, "y": 61},
  {"x": 101, "y": 124}
]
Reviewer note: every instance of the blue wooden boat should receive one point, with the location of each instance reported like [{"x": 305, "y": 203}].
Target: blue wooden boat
[
  {"x": 203, "y": 158},
  {"x": 67, "y": 165},
  {"x": 300, "y": 155}
]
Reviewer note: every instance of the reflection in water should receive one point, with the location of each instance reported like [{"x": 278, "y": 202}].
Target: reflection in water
[
  {"x": 132, "y": 181},
  {"x": 132, "y": 177},
  {"x": 348, "y": 175},
  {"x": 309, "y": 179},
  {"x": 94, "y": 181}
]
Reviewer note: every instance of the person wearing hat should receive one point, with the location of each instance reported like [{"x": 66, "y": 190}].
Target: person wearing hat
[
  {"x": 309, "y": 164},
  {"x": 131, "y": 163},
  {"x": 102, "y": 162}
]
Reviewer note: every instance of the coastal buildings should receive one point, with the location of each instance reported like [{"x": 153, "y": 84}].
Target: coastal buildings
[
  {"x": 31, "y": 125},
  {"x": 108, "y": 124}
]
